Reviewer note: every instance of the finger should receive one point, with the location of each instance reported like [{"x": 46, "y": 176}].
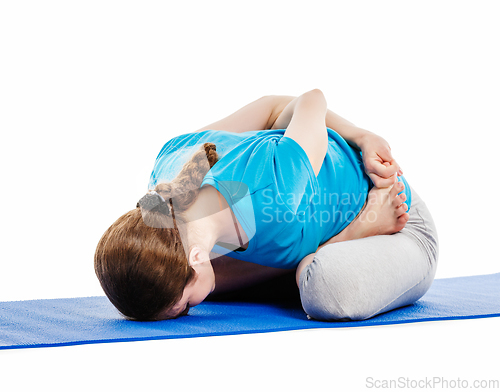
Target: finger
[
  {"x": 400, "y": 171},
  {"x": 383, "y": 169},
  {"x": 385, "y": 155},
  {"x": 381, "y": 182}
]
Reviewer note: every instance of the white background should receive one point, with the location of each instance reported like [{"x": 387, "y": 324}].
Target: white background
[{"x": 90, "y": 91}]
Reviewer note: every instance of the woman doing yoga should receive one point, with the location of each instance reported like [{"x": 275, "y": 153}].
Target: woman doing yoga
[{"x": 281, "y": 184}]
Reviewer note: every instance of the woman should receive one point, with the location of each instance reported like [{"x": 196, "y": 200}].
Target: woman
[{"x": 294, "y": 195}]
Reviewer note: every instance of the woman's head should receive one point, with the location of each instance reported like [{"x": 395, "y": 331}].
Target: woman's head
[
  {"x": 141, "y": 261},
  {"x": 197, "y": 289}
]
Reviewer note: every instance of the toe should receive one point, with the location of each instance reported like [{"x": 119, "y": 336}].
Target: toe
[
  {"x": 402, "y": 221},
  {"x": 400, "y": 199},
  {"x": 401, "y": 209},
  {"x": 398, "y": 187}
]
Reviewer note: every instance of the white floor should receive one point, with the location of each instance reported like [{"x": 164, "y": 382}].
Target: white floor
[{"x": 343, "y": 359}]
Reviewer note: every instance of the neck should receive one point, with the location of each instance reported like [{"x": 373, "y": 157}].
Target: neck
[{"x": 206, "y": 224}]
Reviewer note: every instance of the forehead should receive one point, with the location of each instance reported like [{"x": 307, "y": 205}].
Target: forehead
[{"x": 180, "y": 305}]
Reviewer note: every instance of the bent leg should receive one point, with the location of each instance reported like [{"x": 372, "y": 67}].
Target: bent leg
[{"x": 358, "y": 279}]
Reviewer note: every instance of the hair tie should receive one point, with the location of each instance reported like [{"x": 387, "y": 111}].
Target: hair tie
[
  {"x": 154, "y": 202},
  {"x": 156, "y": 193}
]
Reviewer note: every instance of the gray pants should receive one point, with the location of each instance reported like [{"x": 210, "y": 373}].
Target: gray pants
[{"x": 358, "y": 279}]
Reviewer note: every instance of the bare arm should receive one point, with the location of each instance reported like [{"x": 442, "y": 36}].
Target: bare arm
[
  {"x": 252, "y": 117},
  {"x": 378, "y": 162},
  {"x": 305, "y": 118},
  {"x": 283, "y": 111},
  {"x": 268, "y": 112}
]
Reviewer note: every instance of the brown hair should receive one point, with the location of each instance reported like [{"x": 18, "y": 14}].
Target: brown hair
[{"x": 140, "y": 260}]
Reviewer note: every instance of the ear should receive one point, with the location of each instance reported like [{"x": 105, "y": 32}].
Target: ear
[{"x": 198, "y": 256}]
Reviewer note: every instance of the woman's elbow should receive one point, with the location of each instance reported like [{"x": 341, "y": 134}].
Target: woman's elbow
[
  {"x": 317, "y": 93},
  {"x": 315, "y": 97}
]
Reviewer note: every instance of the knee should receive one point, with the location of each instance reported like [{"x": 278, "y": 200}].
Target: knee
[{"x": 334, "y": 293}]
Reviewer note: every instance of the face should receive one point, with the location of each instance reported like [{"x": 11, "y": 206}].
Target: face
[{"x": 196, "y": 291}]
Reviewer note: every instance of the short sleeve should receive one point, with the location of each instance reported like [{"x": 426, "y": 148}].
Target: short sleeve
[{"x": 295, "y": 179}]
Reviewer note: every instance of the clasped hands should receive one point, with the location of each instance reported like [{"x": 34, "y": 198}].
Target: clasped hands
[{"x": 379, "y": 164}]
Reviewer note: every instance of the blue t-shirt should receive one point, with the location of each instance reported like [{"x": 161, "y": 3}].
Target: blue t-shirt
[{"x": 269, "y": 183}]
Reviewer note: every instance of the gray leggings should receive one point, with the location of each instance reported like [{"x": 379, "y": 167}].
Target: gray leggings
[{"x": 358, "y": 279}]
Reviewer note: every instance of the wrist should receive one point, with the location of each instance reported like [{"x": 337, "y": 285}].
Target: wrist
[{"x": 361, "y": 137}]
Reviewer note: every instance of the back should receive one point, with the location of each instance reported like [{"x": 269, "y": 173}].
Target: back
[
  {"x": 177, "y": 151},
  {"x": 268, "y": 181}
]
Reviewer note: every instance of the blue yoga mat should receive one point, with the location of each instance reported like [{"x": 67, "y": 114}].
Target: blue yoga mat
[{"x": 85, "y": 320}]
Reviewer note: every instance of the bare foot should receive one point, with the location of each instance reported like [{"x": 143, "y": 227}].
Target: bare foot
[{"x": 384, "y": 212}]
